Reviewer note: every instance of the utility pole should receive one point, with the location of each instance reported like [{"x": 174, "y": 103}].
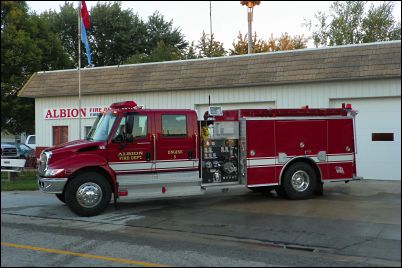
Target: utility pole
[{"x": 250, "y": 6}]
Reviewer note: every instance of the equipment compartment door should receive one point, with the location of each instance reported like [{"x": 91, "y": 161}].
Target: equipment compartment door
[
  {"x": 340, "y": 149},
  {"x": 260, "y": 152},
  {"x": 306, "y": 138}
]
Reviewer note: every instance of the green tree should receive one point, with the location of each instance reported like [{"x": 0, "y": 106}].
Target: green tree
[
  {"x": 380, "y": 25},
  {"x": 115, "y": 34},
  {"x": 160, "y": 30},
  {"x": 162, "y": 52},
  {"x": 285, "y": 42},
  {"x": 191, "y": 52},
  {"x": 349, "y": 23},
  {"x": 209, "y": 47},
  {"x": 65, "y": 25},
  {"x": 27, "y": 46}
]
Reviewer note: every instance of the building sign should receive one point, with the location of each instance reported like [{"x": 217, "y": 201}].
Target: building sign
[{"x": 72, "y": 113}]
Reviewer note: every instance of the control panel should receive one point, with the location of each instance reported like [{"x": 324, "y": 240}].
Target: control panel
[{"x": 220, "y": 152}]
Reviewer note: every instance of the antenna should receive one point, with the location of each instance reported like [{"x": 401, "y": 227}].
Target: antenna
[{"x": 210, "y": 20}]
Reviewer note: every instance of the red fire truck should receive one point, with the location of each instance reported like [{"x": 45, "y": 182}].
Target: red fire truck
[{"x": 138, "y": 153}]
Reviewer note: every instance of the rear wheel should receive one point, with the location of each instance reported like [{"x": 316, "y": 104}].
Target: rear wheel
[
  {"x": 280, "y": 191},
  {"x": 88, "y": 194},
  {"x": 299, "y": 181}
]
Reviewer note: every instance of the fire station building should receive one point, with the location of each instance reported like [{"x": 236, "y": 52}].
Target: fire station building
[{"x": 366, "y": 75}]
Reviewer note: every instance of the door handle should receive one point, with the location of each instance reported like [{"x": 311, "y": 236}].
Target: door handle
[
  {"x": 148, "y": 156},
  {"x": 154, "y": 142}
]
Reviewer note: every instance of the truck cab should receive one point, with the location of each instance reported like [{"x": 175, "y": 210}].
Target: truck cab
[
  {"x": 31, "y": 141},
  {"x": 130, "y": 152}
]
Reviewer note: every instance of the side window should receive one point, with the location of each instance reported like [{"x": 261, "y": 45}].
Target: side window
[
  {"x": 32, "y": 140},
  {"x": 174, "y": 125},
  {"x": 139, "y": 127},
  {"x": 121, "y": 130}
]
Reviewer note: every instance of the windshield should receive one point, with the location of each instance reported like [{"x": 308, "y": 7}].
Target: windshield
[
  {"x": 101, "y": 127},
  {"x": 23, "y": 148}
]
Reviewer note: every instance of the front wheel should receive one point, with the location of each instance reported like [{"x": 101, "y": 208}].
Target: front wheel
[
  {"x": 88, "y": 194},
  {"x": 299, "y": 181},
  {"x": 61, "y": 197}
]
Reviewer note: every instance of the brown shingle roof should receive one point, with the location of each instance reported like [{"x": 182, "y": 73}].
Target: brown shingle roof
[{"x": 365, "y": 61}]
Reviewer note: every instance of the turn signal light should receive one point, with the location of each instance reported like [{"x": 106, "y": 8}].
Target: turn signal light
[{"x": 123, "y": 192}]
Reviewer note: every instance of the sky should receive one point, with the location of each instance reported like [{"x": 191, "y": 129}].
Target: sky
[{"x": 228, "y": 17}]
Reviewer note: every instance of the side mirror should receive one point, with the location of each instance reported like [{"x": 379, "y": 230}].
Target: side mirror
[
  {"x": 118, "y": 139},
  {"x": 129, "y": 138},
  {"x": 129, "y": 123}
]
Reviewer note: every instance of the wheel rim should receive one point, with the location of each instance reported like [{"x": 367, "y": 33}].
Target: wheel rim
[
  {"x": 300, "y": 181},
  {"x": 89, "y": 195}
]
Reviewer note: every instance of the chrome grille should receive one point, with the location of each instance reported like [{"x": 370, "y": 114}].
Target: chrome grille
[{"x": 9, "y": 152}]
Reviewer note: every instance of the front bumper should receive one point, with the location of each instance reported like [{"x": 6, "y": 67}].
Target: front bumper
[{"x": 52, "y": 185}]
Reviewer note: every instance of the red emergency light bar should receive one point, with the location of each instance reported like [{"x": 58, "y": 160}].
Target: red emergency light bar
[
  {"x": 346, "y": 106},
  {"x": 124, "y": 105}
]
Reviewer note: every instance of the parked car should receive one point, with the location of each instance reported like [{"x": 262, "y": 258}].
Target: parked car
[
  {"x": 31, "y": 141},
  {"x": 8, "y": 150},
  {"x": 13, "y": 150}
]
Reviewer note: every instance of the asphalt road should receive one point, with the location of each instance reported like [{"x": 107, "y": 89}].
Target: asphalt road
[{"x": 354, "y": 224}]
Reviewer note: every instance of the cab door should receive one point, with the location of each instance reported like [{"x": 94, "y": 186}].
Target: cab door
[
  {"x": 130, "y": 151},
  {"x": 176, "y": 143}
]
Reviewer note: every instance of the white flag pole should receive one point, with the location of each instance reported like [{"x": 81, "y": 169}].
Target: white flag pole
[{"x": 79, "y": 69}]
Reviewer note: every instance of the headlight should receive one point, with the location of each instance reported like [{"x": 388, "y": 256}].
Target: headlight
[
  {"x": 45, "y": 156},
  {"x": 53, "y": 172},
  {"x": 48, "y": 156}
]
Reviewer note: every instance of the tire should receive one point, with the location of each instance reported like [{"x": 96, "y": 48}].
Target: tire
[
  {"x": 262, "y": 189},
  {"x": 61, "y": 197},
  {"x": 299, "y": 181},
  {"x": 88, "y": 194},
  {"x": 280, "y": 191},
  {"x": 319, "y": 189}
]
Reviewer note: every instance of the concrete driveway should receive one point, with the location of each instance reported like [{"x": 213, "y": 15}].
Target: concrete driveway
[{"x": 360, "y": 220}]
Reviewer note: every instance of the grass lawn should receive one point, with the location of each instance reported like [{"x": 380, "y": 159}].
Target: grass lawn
[{"x": 25, "y": 180}]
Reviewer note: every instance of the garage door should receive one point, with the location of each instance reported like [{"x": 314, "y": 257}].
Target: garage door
[
  {"x": 378, "y": 134},
  {"x": 201, "y": 108}
]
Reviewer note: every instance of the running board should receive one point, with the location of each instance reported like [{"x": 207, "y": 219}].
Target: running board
[
  {"x": 171, "y": 184},
  {"x": 187, "y": 178}
]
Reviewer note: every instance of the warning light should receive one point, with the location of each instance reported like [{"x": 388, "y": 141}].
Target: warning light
[
  {"x": 123, "y": 193},
  {"x": 124, "y": 105},
  {"x": 250, "y": 4}
]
